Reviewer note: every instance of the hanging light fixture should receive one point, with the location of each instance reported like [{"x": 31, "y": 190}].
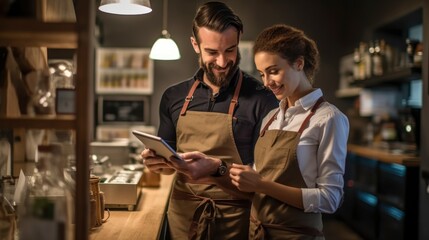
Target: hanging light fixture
[
  {"x": 164, "y": 48},
  {"x": 125, "y": 7}
]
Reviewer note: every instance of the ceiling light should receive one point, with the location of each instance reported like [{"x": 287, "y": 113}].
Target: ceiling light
[
  {"x": 165, "y": 48},
  {"x": 125, "y": 7}
]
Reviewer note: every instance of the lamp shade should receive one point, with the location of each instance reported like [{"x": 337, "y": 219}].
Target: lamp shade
[
  {"x": 164, "y": 48},
  {"x": 125, "y": 7}
]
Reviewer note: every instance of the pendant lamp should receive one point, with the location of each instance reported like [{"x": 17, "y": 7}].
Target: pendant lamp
[
  {"x": 164, "y": 48},
  {"x": 125, "y": 7}
]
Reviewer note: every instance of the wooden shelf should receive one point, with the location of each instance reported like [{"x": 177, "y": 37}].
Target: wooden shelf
[
  {"x": 28, "y": 32},
  {"x": 54, "y": 122},
  {"x": 32, "y": 33},
  {"x": 402, "y": 75}
]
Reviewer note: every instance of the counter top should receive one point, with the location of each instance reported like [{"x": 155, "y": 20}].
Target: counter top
[
  {"x": 407, "y": 159},
  {"x": 144, "y": 222}
]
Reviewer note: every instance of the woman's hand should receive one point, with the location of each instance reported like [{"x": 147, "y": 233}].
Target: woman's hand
[
  {"x": 245, "y": 178},
  {"x": 155, "y": 163}
]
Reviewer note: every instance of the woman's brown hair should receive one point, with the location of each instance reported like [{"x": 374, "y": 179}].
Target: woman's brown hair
[{"x": 289, "y": 43}]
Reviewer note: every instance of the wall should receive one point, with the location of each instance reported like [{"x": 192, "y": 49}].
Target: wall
[{"x": 142, "y": 31}]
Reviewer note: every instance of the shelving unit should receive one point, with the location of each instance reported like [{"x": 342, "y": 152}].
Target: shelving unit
[
  {"x": 124, "y": 71},
  {"x": 78, "y": 36},
  {"x": 381, "y": 183},
  {"x": 395, "y": 77},
  {"x": 403, "y": 75},
  {"x": 394, "y": 33}
]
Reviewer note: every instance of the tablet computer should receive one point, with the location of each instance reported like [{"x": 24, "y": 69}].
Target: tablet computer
[{"x": 156, "y": 144}]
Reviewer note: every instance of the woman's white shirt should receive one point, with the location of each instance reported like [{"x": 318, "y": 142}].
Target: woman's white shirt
[{"x": 321, "y": 150}]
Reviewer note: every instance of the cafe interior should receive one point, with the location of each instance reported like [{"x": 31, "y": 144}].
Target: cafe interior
[{"x": 77, "y": 77}]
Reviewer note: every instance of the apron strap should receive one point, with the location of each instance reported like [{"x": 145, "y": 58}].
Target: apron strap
[
  {"x": 313, "y": 110},
  {"x": 189, "y": 98},
  {"x": 203, "y": 220},
  {"x": 234, "y": 100},
  {"x": 304, "y": 123},
  {"x": 259, "y": 232},
  {"x": 232, "y": 105},
  {"x": 262, "y": 133}
]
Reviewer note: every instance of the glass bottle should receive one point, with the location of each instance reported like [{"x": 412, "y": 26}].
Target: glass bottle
[
  {"x": 356, "y": 64},
  {"x": 409, "y": 51},
  {"x": 366, "y": 60},
  {"x": 377, "y": 60},
  {"x": 48, "y": 201},
  {"x": 42, "y": 101}
]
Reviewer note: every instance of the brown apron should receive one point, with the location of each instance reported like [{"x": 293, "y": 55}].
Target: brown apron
[
  {"x": 198, "y": 211},
  {"x": 276, "y": 159}
]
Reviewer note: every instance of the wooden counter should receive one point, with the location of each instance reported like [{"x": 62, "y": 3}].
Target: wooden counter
[
  {"x": 143, "y": 223},
  {"x": 384, "y": 155}
]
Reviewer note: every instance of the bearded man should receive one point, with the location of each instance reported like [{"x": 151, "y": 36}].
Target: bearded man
[{"x": 218, "y": 112}]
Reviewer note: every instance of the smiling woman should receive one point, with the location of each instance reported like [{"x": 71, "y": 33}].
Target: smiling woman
[{"x": 300, "y": 153}]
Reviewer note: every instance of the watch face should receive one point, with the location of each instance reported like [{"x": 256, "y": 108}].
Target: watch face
[{"x": 222, "y": 170}]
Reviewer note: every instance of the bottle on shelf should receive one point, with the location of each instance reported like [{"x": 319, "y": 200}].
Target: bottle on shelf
[
  {"x": 362, "y": 62},
  {"x": 388, "y": 55},
  {"x": 377, "y": 60},
  {"x": 367, "y": 62},
  {"x": 411, "y": 47},
  {"x": 356, "y": 64}
]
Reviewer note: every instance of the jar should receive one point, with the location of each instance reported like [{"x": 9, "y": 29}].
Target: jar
[
  {"x": 61, "y": 74},
  {"x": 42, "y": 101}
]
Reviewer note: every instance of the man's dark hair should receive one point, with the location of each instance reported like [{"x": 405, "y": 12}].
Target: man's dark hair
[{"x": 216, "y": 16}]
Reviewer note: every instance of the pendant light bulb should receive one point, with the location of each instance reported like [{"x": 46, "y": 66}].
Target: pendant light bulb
[{"x": 165, "y": 48}]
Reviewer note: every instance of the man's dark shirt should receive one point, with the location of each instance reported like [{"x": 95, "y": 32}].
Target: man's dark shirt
[{"x": 254, "y": 103}]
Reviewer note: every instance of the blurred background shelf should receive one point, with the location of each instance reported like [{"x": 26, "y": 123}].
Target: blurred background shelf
[
  {"x": 54, "y": 122},
  {"x": 29, "y": 32}
]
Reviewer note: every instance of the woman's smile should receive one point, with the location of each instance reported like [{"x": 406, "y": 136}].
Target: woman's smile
[{"x": 277, "y": 89}]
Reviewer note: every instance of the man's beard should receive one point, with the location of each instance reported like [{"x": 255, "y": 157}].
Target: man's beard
[{"x": 224, "y": 78}]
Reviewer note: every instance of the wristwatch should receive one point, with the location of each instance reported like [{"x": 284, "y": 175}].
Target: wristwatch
[{"x": 221, "y": 170}]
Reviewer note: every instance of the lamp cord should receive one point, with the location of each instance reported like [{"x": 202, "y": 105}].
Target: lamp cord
[{"x": 164, "y": 15}]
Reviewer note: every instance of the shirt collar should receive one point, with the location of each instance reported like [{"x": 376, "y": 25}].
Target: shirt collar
[{"x": 310, "y": 99}]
